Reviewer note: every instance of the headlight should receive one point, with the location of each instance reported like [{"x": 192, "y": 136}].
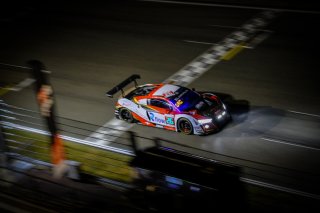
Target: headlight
[
  {"x": 221, "y": 115},
  {"x": 205, "y": 121}
]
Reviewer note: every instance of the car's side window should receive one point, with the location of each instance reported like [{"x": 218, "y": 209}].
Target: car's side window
[{"x": 160, "y": 104}]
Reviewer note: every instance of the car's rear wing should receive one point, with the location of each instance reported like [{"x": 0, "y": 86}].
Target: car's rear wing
[{"x": 124, "y": 83}]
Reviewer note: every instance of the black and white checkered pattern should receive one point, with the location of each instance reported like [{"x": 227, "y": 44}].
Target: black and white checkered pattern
[{"x": 212, "y": 56}]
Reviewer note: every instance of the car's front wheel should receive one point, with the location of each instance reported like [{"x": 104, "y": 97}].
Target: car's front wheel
[
  {"x": 126, "y": 115},
  {"x": 185, "y": 126}
]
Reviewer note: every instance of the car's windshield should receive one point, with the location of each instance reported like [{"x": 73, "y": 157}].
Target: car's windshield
[
  {"x": 185, "y": 99},
  {"x": 205, "y": 104}
]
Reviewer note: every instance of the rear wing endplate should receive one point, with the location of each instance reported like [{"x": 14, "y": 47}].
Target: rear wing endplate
[{"x": 124, "y": 83}]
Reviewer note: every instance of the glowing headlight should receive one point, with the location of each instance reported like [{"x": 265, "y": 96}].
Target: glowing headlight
[{"x": 205, "y": 121}]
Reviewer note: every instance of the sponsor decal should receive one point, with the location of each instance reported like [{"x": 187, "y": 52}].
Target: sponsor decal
[
  {"x": 168, "y": 94},
  {"x": 166, "y": 90},
  {"x": 156, "y": 119},
  {"x": 169, "y": 120},
  {"x": 178, "y": 103}
]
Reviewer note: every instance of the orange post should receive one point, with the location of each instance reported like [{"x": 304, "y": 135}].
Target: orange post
[{"x": 57, "y": 150}]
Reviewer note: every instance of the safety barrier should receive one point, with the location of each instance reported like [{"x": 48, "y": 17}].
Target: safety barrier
[
  {"x": 37, "y": 192},
  {"x": 25, "y": 135}
]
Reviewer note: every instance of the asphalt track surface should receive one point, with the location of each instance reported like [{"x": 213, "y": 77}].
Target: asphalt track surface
[{"x": 271, "y": 87}]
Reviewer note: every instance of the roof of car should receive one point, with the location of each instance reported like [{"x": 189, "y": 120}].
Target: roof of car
[
  {"x": 152, "y": 91},
  {"x": 166, "y": 90}
]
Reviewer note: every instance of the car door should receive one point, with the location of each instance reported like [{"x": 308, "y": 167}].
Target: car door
[{"x": 159, "y": 112}]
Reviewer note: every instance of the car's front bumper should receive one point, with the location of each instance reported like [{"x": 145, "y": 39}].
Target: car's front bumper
[{"x": 217, "y": 123}]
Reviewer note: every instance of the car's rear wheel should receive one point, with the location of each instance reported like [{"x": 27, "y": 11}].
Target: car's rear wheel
[
  {"x": 185, "y": 126},
  {"x": 126, "y": 115}
]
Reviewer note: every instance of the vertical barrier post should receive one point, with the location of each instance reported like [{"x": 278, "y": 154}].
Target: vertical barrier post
[
  {"x": 44, "y": 92},
  {"x": 133, "y": 142},
  {"x": 157, "y": 142}
]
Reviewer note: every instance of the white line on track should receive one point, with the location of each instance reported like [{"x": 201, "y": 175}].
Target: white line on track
[
  {"x": 291, "y": 144},
  {"x": 303, "y": 113},
  {"x": 233, "y": 27},
  {"x": 234, "y": 6},
  {"x": 200, "y": 42},
  {"x": 25, "y": 83},
  {"x": 23, "y": 67},
  {"x": 209, "y": 43},
  {"x": 280, "y": 188},
  {"x": 17, "y": 66},
  {"x": 212, "y": 5}
]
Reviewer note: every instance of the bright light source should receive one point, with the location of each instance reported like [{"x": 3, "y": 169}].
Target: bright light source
[{"x": 205, "y": 121}]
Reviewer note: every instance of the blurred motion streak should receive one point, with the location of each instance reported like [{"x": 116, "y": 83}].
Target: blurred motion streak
[{"x": 46, "y": 104}]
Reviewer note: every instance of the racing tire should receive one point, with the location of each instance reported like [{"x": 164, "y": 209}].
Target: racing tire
[
  {"x": 126, "y": 115},
  {"x": 185, "y": 126}
]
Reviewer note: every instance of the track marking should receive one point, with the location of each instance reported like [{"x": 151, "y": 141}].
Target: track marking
[
  {"x": 22, "y": 67},
  {"x": 233, "y": 27},
  {"x": 258, "y": 39},
  {"x": 210, "y": 43},
  {"x": 25, "y": 83},
  {"x": 193, "y": 70},
  {"x": 16, "y": 88},
  {"x": 291, "y": 144},
  {"x": 200, "y": 42},
  {"x": 109, "y": 132},
  {"x": 233, "y": 52},
  {"x": 234, "y": 6},
  {"x": 213, "y": 55},
  {"x": 303, "y": 113},
  {"x": 212, "y": 5},
  {"x": 5, "y": 89},
  {"x": 280, "y": 188}
]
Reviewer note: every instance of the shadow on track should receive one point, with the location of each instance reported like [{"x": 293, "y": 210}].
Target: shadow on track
[{"x": 248, "y": 120}]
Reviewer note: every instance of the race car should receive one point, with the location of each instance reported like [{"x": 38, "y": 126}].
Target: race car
[{"x": 170, "y": 107}]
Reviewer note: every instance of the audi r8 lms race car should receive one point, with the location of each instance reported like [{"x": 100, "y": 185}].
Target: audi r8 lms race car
[{"x": 170, "y": 106}]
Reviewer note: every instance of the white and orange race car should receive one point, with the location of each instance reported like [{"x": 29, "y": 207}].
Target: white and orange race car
[{"x": 171, "y": 107}]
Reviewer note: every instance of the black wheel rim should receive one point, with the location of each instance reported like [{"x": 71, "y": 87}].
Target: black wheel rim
[
  {"x": 125, "y": 115},
  {"x": 185, "y": 127}
]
